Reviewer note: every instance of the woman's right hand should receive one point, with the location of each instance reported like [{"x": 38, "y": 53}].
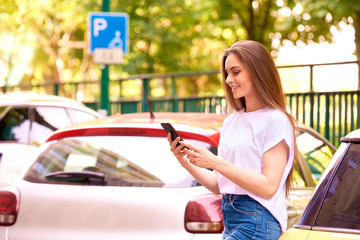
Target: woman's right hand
[
  {"x": 176, "y": 150},
  {"x": 203, "y": 176}
]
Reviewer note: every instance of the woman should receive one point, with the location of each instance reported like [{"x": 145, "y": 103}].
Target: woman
[{"x": 253, "y": 168}]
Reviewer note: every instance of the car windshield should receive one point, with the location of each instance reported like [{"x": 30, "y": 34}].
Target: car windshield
[{"x": 124, "y": 160}]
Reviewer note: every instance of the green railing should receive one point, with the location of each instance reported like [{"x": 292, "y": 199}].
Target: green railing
[
  {"x": 332, "y": 114},
  {"x": 213, "y": 104}
]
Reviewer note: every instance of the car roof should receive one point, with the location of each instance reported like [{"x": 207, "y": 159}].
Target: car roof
[
  {"x": 34, "y": 99},
  {"x": 200, "y": 126},
  {"x": 25, "y": 97},
  {"x": 353, "y": 136}
]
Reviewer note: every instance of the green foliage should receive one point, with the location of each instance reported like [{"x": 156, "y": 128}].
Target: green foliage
[
  {"x": 273, "y": 21},
  {"x": 170, "y": 36},
  {"x": 174, "y": 37}
]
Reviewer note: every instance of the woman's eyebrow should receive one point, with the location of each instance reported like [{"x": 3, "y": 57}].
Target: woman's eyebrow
[{"x": 232, "y": 68}]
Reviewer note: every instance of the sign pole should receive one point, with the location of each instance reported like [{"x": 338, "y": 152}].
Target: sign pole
[
  {"x": 109, "y": 41},
  {"x": 105, "y": 104}
]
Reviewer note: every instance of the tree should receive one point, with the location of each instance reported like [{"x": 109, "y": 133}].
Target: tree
[
  {"x": 176, "y": 37},
  {"x": 320, "y": 15},
  {"x": 272, "y": 22},
  {"x": 250, "y": 19},
  {"x": 179, "y": 36},
  {"x": 50, "y": 30},
  {"x": 12, "y": 37},
  {"x": 172, "y": 37}
]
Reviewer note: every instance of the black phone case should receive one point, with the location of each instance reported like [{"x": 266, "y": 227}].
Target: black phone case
[{"x": 169, "y": 128}]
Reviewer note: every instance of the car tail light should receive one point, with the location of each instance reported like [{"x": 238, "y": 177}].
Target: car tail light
[
  {"x": 203, "y": 214},
  {"x": 9, "y": 206}
]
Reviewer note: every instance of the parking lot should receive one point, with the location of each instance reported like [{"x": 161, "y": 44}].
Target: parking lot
[{"x": 120, "y": 169}]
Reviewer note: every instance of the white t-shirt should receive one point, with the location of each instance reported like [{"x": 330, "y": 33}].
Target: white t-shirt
[{"x": 245, "y": 137}]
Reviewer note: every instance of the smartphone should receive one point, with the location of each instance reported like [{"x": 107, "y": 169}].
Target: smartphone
[{"x": 169, "y": 128}]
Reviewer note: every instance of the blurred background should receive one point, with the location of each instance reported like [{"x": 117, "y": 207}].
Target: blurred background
[{"x": 46, "y": 41}]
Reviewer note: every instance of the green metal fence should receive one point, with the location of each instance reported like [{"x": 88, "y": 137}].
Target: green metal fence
[
  {"x": 332, "y": 114},
  {"x": 213, "y": 104}
]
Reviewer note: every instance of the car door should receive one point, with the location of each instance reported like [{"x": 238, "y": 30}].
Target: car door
[
  {"x": 314, "y": 153},
  {"x": 339, "y": 215}
]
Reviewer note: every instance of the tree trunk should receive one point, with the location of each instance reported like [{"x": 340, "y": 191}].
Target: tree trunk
[
  {"x": 357, "y": 42},
  {"x": 251, "y": 28}
]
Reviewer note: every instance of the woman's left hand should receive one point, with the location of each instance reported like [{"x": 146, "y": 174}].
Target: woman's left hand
[{"x": 200, "y": 156}]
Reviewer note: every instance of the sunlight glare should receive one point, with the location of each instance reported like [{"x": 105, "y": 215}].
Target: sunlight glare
[{"x": 325, "y": 78}]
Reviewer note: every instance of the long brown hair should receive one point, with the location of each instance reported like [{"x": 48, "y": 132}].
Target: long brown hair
[{"x": 266, "y": 81}]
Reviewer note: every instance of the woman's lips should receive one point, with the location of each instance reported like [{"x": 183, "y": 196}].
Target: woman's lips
[{"x": 234, "y": 88}]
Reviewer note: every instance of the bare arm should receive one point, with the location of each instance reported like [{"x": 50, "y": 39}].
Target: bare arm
[
  {"x": 264, "y": 184},
  {"x": 204, "y": 176}
]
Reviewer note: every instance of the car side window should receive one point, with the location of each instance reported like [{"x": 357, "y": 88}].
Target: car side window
[
  {"x": 47, "y": 120},
  {"x": 15, "y": 125},
  {"x": 341, "y": 207},
  {"x": 80, "y": 116}
]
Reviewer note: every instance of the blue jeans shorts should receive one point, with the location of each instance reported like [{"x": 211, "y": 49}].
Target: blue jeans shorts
[{"x": 247, "y": 219}]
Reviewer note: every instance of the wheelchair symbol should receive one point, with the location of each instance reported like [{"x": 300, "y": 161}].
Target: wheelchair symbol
[{"x": 116, "y": 42}]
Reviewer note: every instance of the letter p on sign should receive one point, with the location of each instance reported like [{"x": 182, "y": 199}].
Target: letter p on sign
[{"x": 99, "y": 25}]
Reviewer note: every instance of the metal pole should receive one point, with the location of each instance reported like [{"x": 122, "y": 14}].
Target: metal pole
[
  {"x": 105, "y": 74},
  {"x": 106, "y": 6},
  {"x": 311, "y": 78},
  {"x": 174, "y": 94},
  {"x": 105, "y": 89},
  {"x": 146, "y": 93}
]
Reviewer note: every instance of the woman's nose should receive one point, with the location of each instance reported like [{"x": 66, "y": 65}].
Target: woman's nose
[{"x": 228, "y": 79}]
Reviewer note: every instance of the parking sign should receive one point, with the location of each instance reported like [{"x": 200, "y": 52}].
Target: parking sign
[{"x": 108, "y": 30}]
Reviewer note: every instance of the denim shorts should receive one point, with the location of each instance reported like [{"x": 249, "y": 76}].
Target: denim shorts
[{"x": 247, "y": 219}]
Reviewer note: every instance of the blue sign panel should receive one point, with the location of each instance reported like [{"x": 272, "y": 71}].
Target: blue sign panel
[{"x": 109, "y": 30}]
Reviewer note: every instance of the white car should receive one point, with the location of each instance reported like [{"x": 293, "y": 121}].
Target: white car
[
  {"x": 15, "y": 158},
  {"x": 111, "y": 179},
  {"x": 26, "y": 121},
  {"x": 31, "y": 118},
  {"x": 116, "y": 178}
]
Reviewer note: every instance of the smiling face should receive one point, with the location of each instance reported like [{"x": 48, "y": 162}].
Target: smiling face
[{"x": 238, "y": 78}]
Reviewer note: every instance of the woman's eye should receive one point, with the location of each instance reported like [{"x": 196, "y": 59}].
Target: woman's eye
[{"x": 236, "y": 73}]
